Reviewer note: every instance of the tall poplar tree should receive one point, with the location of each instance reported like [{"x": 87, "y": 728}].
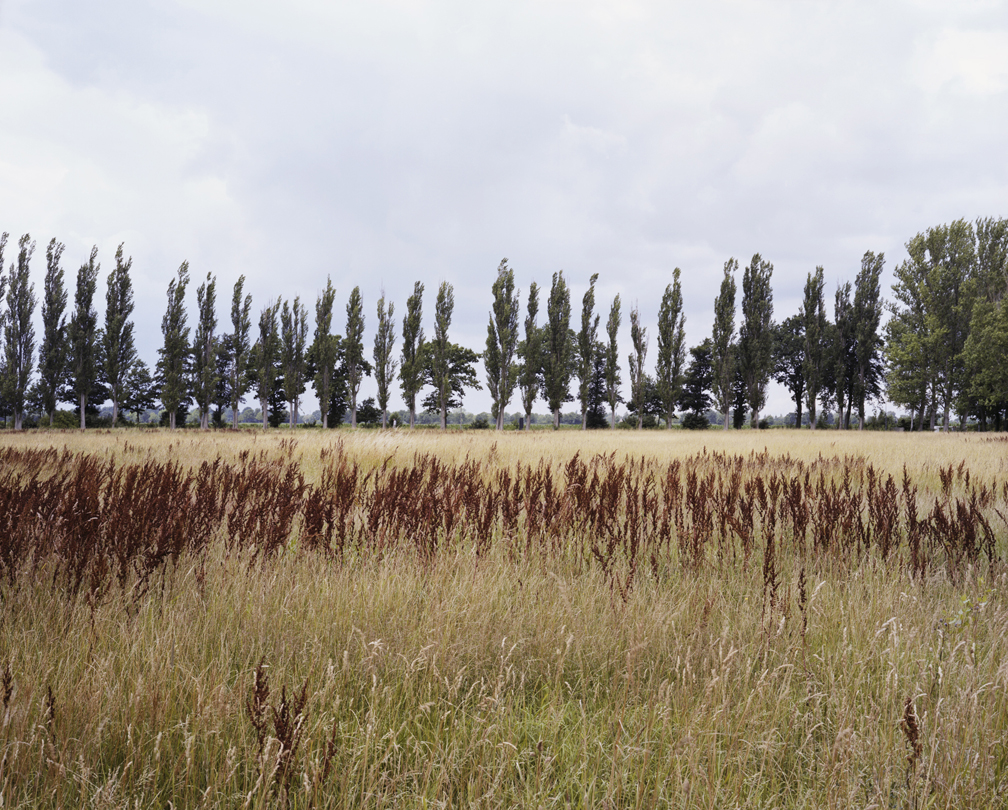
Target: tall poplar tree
[
  {"x": 204, "y": 349},
  {"x": 240, "y": 345},
  {"x": 502, "y": 342},
  {"x": 530, "y": 353},
  {"x": 756, "y": 333},
  {"x": 638, "y": 337},
  {"x": 439, "y": 351},
  {"x": 411, "y": 370},
  {"x": 52, "y": 352},
  {"x": 356, "y": 365},
  {"x": 324, "y": 348},
  {"x": 612, "y": 367},
  {"x": 843, "y": 355},
  {"x": 173, "y": 365},
  {"x": 265, "y": 355},
  {"x": 722, "y": 340},
  {"x": 813, "y": 315},
  {"x": 671, "y": 361},
  {"x": 118, "y": 348},
  {"x": 587, "y": 340},
  {"x": 83, "y": 336},
  {"x": 19, "y": 333},
  {"x": 868, "y": 343},
  {"x": 293, "y": 362},
  {"x": 385, "y": 365},
  {"x": 558, "y": 348}
]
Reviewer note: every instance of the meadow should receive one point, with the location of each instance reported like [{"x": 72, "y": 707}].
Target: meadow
[{"x": 610, "y": 619}]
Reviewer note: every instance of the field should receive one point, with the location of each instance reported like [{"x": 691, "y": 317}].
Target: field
[{"x": 382, "y": 619}]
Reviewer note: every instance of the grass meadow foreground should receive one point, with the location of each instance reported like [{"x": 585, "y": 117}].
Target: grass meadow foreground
[{"x": 383, "y": 619}]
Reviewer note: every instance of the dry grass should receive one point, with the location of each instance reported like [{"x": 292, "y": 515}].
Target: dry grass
[{"x": 478, "y": 677}]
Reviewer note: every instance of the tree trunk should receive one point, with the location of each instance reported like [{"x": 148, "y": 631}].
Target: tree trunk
[
  {"x": 384, "y": 418},
  {"x": 798, "y": 423},
  {"x": 556, "y": 419},
  {"x": 52, "y": 416},
  {"x": 115, "y": 413},
  {"x": 83, "y": 407},
  {"x": 234, "y": 418},
  {"x": 584, "y": 419},
  {"x": 528, "y": 420},
  {"x": 726, "y": 418},
  {"x": 811, "y": 416},
  {"x": 412, "y": 416},
  {"x": 17, "y": 420},
  {"x": 444, "y": 415},
  {"x": 265, "y": 413}
]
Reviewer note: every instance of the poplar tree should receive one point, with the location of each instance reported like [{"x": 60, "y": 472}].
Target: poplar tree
[
  {"x": 756, "y": 333},
  {"x": 356, "y": 365},
  {"x": 530, "y": 353},
  {"x": 265, "y": 355},
  {"x": 868, "y": 343},
  {"x": 385, "y": 365},
  {"x": 722, "y": 339},
  {"x": 843, "y": 355},
  {"x": 612, "y": 368},
  {"x": 83, "y": 336},
  {"x": 671, "y": 359},
  {"x": 205, "y": 349},
  {"x": 412, "y": 367},
  {"x": 293, "y": 343},
  {"x": 813, "y": 315},
  {"x": 788, "y": 360},
  {"x": 558, "y": 345},
  {"x": 449, "y": 366},
  {"x": 19, "y": 333},
  {"x": 502, "y": 342},
  {"x": 323, "y": 349},
  {"x": 587, "y": 340},
  {"x": 118, "y": 349},
  {"x": 638, "y": 337},
  {"x": 240, "y": 347},
  {"x": 52, "y": 352},
  {"x": 173, "y": 366}
]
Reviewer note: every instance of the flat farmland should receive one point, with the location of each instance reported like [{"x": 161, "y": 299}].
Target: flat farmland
[{"x": 396, "y": 619}]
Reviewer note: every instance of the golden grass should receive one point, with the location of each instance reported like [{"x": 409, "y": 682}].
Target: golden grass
[{"x": 495, "y": 682}]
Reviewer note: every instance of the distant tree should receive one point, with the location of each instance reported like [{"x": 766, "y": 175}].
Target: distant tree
[
  {"x": 612, "y": 368},
  {"x": 338, "y": 401},
  {"x": 323, "y": 350},
  {"x": 867, "y": 315},
  {"x": 722, "y": 353},
  {"x": 293, "y": 362},
  {"x": 558, "y": 348},
  {"x": 265, "y": 356},
  {"x": 141, "y": 393},
  {"x": 502, "y": 342},
  {"x": 173, "y": 365},
  {"x": 756, "y": 335},
  {"x": 83, "y": 337},
  {"x": 52, "y": 353},
  {"x": 985, "y": 352},
  {"x": 597, "y": 389},
  {"x": 587, "y": 341},
  {"x": 813, "y": 315},
  {"x": 223, "y": 360},
  {"x": 671, "y": 347},
  {"x": 413, "y": 365},
  {"x": 789, "y": 360},
  {"x": 385, "y": 365},
  {"x": 697, "y": 383},
  {"x": 740, "y": 397},
  {"x": 118, "y": 348},
  {"x": 19, "y": 333},
  {"x": 369, "y": 413},
  {"x": 240, "y": 344},
  {"x": 204, "y": 350},
  {"x": 353, "y": 345},
  {"x": 638, "y": 337},
  {"x": 530, "y": 354},
  {"x": 449, "y": 366},
  {"x": 844, "y": 359}
]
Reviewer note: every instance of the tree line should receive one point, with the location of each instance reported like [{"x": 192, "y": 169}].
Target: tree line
[{"x": 941, "y": 351}]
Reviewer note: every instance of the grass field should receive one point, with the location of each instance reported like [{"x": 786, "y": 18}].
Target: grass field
[{"x": 380, "y": 619}]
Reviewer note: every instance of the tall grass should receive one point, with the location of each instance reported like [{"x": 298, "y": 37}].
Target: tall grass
[{"x": 427, "y": 625}]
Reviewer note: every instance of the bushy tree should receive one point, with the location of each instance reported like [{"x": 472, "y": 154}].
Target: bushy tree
[
  {"x": 867, "y": 314},
  {"x": 293, "y": 360},
  {"x": 265, "y": 357},
  {"x": 789, "y": 360},
  {"x": 697, "y": 383}
]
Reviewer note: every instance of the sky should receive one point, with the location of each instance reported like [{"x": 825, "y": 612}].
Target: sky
[{"x": 387, "y": 142}]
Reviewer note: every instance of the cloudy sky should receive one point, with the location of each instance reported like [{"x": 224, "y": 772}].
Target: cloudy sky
[{"x": 386, "y": 142}]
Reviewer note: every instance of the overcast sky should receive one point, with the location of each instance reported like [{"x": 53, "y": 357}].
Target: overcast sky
[{"x": 386, "y": 142}]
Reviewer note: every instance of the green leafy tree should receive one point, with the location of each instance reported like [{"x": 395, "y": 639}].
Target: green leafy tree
[
  {"x": 385, "y": 365},
  {"x": 353, "y": 345},
  {"x": 597, "y": 389},
  {"x": 867, "y": 316},
  {"x": 697, "y": 383},
  {"x": 412, "y": 369},
  {"x": 265, "y": 357},
  {"x": 756, "y": 334},
  {"x": 739, "y": 394},
  {"x": 992, "y": 258},
  {"x": 843, "y": 354},
  {"x": 173, "y": 365},
  {"x": 324, "y": 350},
  {"x": 502, "y": 342},
  {"x": 240, "y": 345},
  {"x": 671, "y": 359},
  {"x": 204, "y": 350},
  {"x": 612, "y": 368},
  {"x": 450, "y": 367},
  {"x": 587, "y": 341},
  {"x": 985, "y": 352},
  {"x": 118, "y": 347},
  {"x": 83, "y": 337},
  {"x": 722, "y": 340},
  {"x": 558, "y": 348},
  {"x": 19, "y": 333},
  {"x": 141, "y": 390},
  {"x": 52, "y": 352},
  {"x": 789, "y": 360},
  {"x": 813, "y": 317},
  {"x": 638, "y": 337},
  {"x": 293, "y": 359},
  {"x": 530, "y": 354}
]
